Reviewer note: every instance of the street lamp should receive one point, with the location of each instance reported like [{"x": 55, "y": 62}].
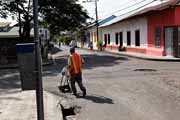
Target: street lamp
[{"x": 97, "y": 24}]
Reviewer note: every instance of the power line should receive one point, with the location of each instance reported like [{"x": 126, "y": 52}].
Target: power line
[
  {"x": 126, "y": 7},
  {"x": 137, "y": 8},
  {"x": 92, "y": 15},
  {"x": 124, "y": 4}
]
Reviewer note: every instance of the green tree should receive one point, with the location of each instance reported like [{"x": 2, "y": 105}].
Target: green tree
[
  {"x": 60, "y": 15},
  {"x": 22, "y": 9},
  {"x": 63, "y": 15}
]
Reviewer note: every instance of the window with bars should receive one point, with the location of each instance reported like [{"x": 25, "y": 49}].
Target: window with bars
[{"x": 157, "y": 37}]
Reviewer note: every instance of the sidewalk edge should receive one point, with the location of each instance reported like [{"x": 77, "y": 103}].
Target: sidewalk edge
[{"x": 138, "y": 57}]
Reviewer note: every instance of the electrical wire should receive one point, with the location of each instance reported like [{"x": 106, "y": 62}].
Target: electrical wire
[
  {"x": 126, "y": 7},
  {"x": 138, "y": 8}
]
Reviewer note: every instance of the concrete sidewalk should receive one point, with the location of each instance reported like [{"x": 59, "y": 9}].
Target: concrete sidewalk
[
  {"x": 21, "y": 105},
  {"x": 139, "y": 55}
]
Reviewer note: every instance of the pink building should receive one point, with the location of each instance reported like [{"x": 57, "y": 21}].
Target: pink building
[
  {"x": 154, "y": 31},
  {"x": 164, "y": 32}
]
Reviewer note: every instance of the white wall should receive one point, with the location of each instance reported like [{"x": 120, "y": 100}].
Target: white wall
[
  {"x": 128, "y": 25},
  {"x": 91, "y": 31}
]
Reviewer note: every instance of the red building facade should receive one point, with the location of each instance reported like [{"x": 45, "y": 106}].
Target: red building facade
[{"x": 163, "y": 32}]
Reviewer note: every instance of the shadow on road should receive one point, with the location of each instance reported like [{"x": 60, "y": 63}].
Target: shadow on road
[
  {"x": 56, "y": 68},
  {"x": 99, "y": 99},
  {"x": 91, "y": 61},
  {"x": 9, "y": 81},
  {"x": 94, "y": 60}
]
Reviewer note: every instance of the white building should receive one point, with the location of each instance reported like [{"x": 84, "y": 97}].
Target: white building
[
  {"x": 131, "y": 33},
  {"x": 91, "y": 32}
]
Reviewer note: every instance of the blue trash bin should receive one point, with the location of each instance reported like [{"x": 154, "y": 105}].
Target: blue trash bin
[{"x": 26, "y": 62}]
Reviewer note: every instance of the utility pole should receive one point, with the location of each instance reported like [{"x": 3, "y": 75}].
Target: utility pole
[
  {"x": 38, "y": 65},
  {"x": 97, "y": 24}
]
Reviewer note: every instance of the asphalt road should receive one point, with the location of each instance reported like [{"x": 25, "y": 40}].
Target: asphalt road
[{"x": 120, "y": 88}]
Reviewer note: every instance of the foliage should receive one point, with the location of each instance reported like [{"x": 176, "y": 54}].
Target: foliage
[
  {"x": 78, "y": 35},
  {"x": 58, "y": 15},
  {"x": 63, "y": 15},
  {"x": 23, "y": 11},
  {"x": 122, "y": 48},
  {"x": 43, "y": 24},
  {"x": 65, "y": 39},
  {"x": 99, "y": 44}
]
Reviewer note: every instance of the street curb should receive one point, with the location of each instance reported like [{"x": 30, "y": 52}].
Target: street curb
[
  {"x": 50, "y": 62},
  {"x": 138, "y": 57},
  {"x": 12, "y": 66}
]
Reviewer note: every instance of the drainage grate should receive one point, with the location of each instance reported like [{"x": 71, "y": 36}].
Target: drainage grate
[
  {"x": 146, "y": 70},
  {"x": 70, "y": 112}
]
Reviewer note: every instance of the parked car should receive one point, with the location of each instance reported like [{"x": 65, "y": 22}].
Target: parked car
[
  {"x": 73, "y": 43},
  {"x": 51, "y": 45}
]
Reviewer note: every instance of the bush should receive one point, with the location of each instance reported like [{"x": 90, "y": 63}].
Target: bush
[
  {"x": 99, "y": 45},
  {"x": 65, "y": 39},
  {"x": 122, "y": 48}
]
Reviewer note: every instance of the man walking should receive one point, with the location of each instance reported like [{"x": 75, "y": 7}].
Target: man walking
[{"x": 75, "y": 68}]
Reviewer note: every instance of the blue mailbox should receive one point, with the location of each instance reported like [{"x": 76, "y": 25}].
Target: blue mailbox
[{"x": 26, "y": 62}]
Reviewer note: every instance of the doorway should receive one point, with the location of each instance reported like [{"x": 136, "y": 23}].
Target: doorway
[
  {"x": 121, "y": 38},
  {"x": 178, "y": 43},
  {"x": 169, "y": 41},
  {"x": 105, "y": 39},
  {"x": 137, "y": 38}
]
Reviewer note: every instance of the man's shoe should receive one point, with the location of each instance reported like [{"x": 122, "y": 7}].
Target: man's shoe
[
  {"x": 84, "y": 94},
  {"x": 76, "y": 95}
]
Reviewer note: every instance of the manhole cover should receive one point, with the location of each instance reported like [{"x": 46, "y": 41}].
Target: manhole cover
[{"x": 146, "y": 70}]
